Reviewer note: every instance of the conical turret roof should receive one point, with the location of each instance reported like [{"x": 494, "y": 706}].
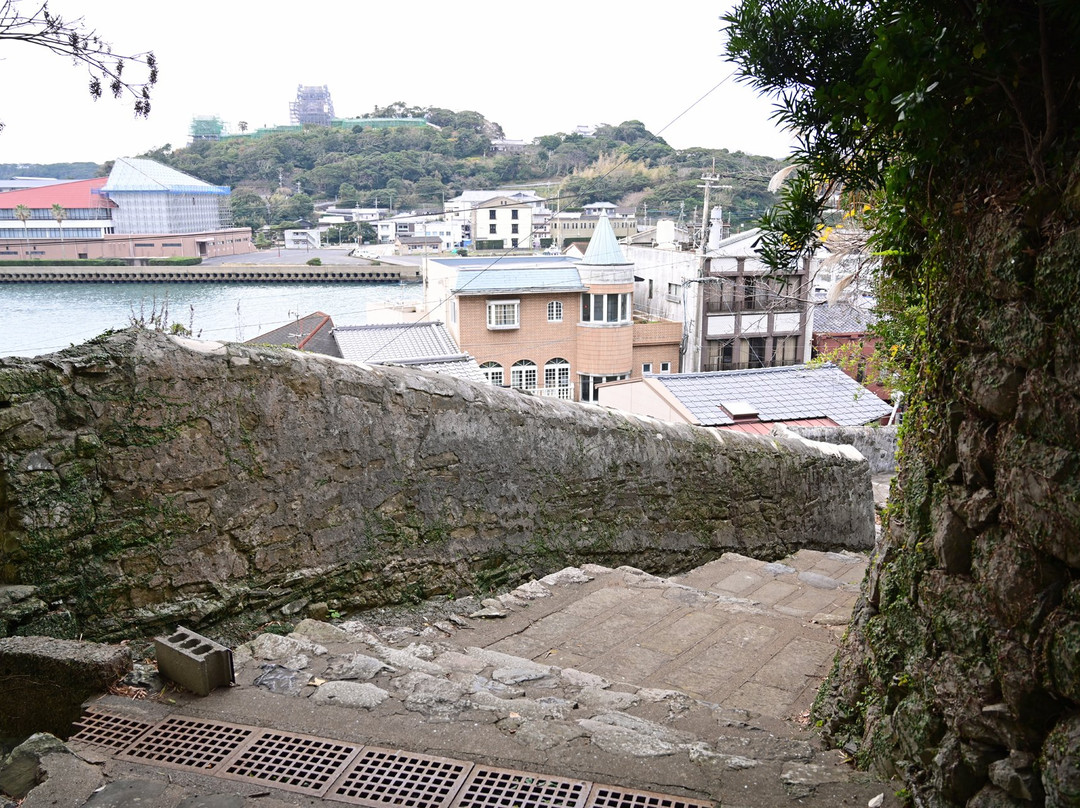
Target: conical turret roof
[{"x": 604, "y": 249}]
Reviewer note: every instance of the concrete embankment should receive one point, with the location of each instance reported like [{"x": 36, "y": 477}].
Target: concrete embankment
[{"x": 239, "y": 273}]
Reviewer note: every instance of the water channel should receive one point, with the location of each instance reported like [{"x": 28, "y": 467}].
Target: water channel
[{"x": 42, "y": 318}]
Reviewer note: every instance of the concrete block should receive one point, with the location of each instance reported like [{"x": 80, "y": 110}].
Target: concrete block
[{"x": 194, "y": 662}]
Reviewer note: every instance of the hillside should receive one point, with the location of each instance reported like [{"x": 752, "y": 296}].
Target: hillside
[{"x": 276, "y": 175}]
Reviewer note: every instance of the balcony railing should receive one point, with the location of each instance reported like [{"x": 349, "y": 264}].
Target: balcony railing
[
  {"x": 771, "y": 302},
  {"x": 565, "y": 392},
  {"x": 778, "y": 363}
]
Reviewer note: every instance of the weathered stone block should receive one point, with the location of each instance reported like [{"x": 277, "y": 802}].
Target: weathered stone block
[{"x": 45, "y": 681}]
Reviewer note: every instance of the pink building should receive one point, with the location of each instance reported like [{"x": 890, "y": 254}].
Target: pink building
[{"x": 551, "y": 325}]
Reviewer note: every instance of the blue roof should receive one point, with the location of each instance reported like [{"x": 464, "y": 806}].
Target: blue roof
[
  {"x": 532, "y": 279},
  {"x": 140, "y": 174},
  {"x": 777, "y": 394},
  {"x": 604, "y": 249}
]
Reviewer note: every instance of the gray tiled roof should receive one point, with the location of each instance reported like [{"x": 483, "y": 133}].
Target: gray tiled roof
[
  {"x": 463, "y": 368},
  {"x": 842, "y": 318},
  {"x": 395, "y": 343},
  {"x": 778, "y": 394},
  {"x": 525, "y": 279}
]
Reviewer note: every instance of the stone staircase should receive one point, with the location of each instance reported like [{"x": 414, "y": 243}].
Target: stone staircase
[{"x": 694, "y": 689}]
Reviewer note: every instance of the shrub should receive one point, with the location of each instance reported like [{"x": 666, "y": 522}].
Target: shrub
[
  {"x": 314, "y": 262},
  {"x": 174, "y": 261}
]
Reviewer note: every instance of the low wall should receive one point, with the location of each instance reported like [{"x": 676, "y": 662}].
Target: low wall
[
  {"x": 147, "y": 480},
  {"x": 876, "y": 443}
]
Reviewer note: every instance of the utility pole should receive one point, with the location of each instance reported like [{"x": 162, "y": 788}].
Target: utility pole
[{"x": 694, "y": 323}]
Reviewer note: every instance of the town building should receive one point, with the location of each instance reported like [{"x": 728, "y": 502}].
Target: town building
[
  {"x": 565, "y": 227},
  {"x": 751, "y": 400},
  {"x": 841, "y": 334},
  {"x": 736, "y": 312},
  {"x": 462, "y": 207},
  {"x": 143, "y": 209},
  {"x": 501, "y": 224},
  {"x": 550, "y": 325}
]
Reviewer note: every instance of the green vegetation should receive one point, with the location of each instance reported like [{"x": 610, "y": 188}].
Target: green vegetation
[
  {"x": 951, "y": 132},
  {"x": 277, "y": 177},
  {"x": 174, "y": 261},
  {"x": 61, "y": 171}
]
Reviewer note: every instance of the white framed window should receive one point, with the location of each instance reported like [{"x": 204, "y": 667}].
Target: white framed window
[
  {"x": 617, "y": 308},
  {"x": 493, "y": 372},
  {"x": 502, "y": 314},
  {"x": 453, "y": 311},
  {"x": 647, "y": 367},
  {"x": 555, "y": 311},
  {"x": 557, "y": 378},
  {"x": 665, "y": 367},
  {"x": 523, "y": 375}
]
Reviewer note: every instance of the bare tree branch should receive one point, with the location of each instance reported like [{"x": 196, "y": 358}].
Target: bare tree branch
[{"x": 85, "y": 47}]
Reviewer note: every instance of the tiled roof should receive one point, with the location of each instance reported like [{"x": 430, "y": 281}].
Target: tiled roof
[
  {"x": 466, "y": 368},
  {"x": 604, "y": 249},
  {"x": 422, "y": 346},
  {"x": 313, "y": 333},
  {"x": 70, "y": 195},
  {"x": 139, "y": 174},
  {"x": 842, "y": 318},
  {"x": 404, "y": 342},
  {"x": 518, "y": 281},
  {"x": 778, "y": 394}
]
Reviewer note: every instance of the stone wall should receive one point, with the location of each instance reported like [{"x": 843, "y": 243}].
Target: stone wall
[
  {"x": 961, "y": 671},
  {"x": 147, "y": 481},
  {"x": 876, "y": 443}
]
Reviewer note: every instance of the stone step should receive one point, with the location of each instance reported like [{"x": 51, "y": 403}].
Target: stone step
[{"x": 697, "y": 685}]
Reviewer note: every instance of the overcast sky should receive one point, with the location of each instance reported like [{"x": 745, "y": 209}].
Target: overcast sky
[{"x": 535, "y": 68}]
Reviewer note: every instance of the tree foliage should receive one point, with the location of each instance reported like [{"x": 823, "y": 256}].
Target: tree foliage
[
  {"x": 422, "y": 167},
  {"x": 955, "y": 128},
  {"x": 73, "y": 38},
  {"x": 899, "y": 97}
]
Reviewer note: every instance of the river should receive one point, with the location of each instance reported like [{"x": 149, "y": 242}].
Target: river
[{"x": 42, "y": 318}]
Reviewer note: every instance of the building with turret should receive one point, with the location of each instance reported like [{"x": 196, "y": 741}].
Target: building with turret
[{"x": 549, "y": 325}]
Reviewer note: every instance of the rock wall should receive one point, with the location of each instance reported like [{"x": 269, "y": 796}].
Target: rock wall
[
  {"x": 961, "y": 671},
  {"x": 146, "y": 481},
  {"x": 876, "y": 443}
]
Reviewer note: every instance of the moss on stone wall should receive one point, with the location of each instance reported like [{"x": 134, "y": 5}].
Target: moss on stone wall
[{"x": 145, "y": 483}]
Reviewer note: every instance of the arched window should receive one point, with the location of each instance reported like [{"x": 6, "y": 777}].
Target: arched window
[
  {"x": 523, "y": 375},
  {"x": 493, "y": 372},
  {"x": 555, "y": 311},
  {"x": 557, "y": 377}
]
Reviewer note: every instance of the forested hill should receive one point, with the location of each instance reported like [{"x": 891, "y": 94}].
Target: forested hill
[
  {"x": 420, "y": 167},
  {"x": 60, "y": 171}
]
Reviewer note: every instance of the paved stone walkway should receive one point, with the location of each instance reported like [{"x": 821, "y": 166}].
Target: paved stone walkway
[{"x": 695, "y": 686}]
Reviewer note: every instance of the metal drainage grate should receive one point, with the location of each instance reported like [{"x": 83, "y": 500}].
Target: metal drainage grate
[
  {"x": 106, "y": 729},
  {"x": 611, "y": 797},
  {"x": 504, "y": 788},
  {"x": 293, "y": 762},
  {"x": 381, "y": 777},
  {"x": 187, "y": 743}
]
